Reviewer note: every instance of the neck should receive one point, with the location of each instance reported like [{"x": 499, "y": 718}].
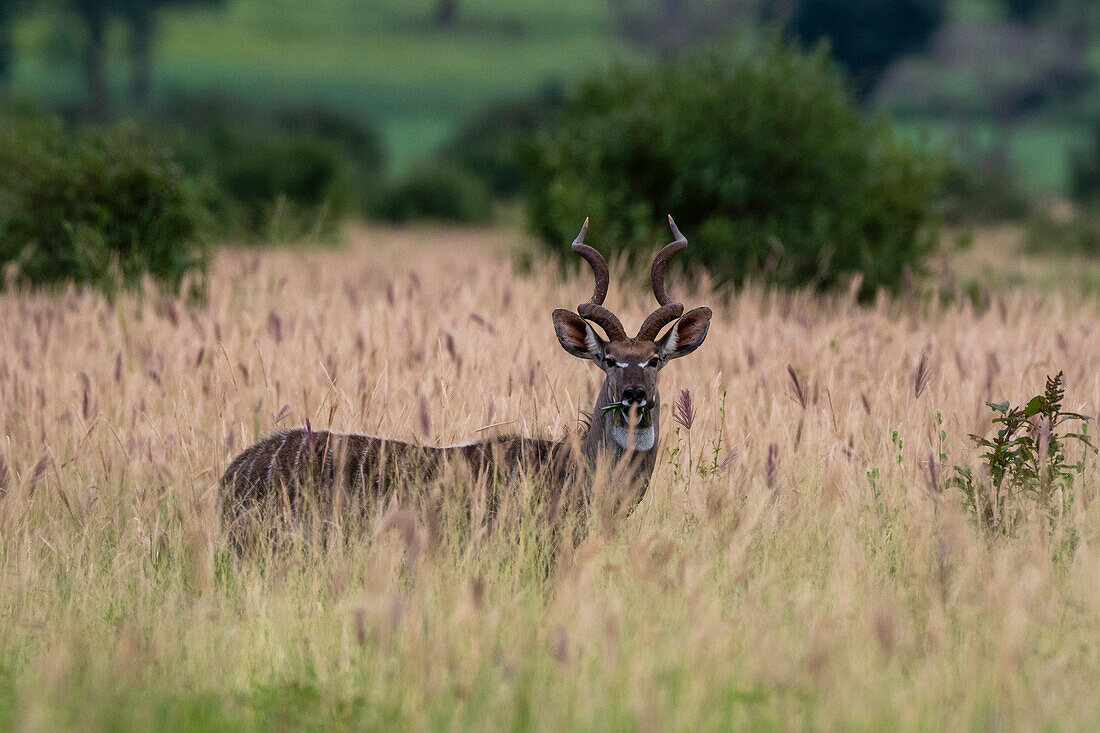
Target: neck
[{"x": 638, "y": 447}]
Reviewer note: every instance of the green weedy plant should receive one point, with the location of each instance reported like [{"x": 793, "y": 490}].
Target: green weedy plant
[
  {"x": 1026, "y": 462},
  {"x": 102, "y": 206},
  {"x": 763, "y": 155}
]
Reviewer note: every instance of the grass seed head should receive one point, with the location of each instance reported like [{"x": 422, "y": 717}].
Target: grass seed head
[{"x": 684, "y": 411}]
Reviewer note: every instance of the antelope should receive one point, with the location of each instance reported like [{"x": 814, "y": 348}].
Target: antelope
[{"x": 623, "y": 431}]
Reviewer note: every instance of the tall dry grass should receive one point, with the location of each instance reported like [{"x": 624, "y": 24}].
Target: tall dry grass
[{"x": 791, "y": 566}]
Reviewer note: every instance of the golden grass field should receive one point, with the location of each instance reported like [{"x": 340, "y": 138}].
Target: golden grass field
[{"x": 832, "y": 585}]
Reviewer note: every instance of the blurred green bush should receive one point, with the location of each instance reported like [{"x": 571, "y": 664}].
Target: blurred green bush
[
  {"x": 103, "y": 206},
  {"x": 253, "y": 171},
  {"x": 436, "y": 193},
  {"x": 489, "y": 144},
  {"x": 763, "y": 158},
  {"x": 279, "y": 175}
]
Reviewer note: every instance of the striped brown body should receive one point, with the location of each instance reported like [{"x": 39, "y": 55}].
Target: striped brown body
[{"x": 287, "y": 466}]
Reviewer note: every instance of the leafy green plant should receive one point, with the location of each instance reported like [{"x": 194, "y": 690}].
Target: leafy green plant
[
  {"x": 622, "y": 409},
  {"x": 104, "y": 206},
  {"x": 1026, "y": 463},
  {"x": 763, "y": 158}
]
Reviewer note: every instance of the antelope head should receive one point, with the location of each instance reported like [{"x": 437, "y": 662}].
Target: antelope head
[{"x": 628, "y": 407}]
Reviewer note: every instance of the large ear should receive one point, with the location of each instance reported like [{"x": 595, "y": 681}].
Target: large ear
[
  {"x": 576, "y": 336},
  {"x": 686, "y": 335}
]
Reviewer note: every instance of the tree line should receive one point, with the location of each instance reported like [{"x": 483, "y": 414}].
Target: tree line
[
  {"x": 140, "y": 18},
  {"x": 864, "y": 37}
]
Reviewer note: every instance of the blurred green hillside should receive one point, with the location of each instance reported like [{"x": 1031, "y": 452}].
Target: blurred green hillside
[
  {"x": 1008, "y": 79},
  {"x": 386, "y": 62}
]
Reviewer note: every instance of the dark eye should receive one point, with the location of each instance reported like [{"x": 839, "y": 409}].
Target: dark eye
[
  {"x": 608, "y": 362},
  {"x": 654, "y": 362}
]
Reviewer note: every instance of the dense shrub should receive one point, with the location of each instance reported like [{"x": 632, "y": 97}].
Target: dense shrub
[
  {"x": 101, "y": 206},
  {"x": 764, "y": 161},
  {"x": 255, "y": 170},
  {"x": 282, "y": 174},
  {"x": 488, "y": 145},
  {"x": 360, "y": 144},
  {"x": 441, "y": 193}
]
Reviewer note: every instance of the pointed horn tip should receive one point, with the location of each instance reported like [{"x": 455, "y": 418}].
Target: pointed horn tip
[
  {"x": 580, "y": 237},
  {"x": 675, "y": 229}
]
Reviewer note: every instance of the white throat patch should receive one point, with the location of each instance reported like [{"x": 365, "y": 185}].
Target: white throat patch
[{"x": 643, "y": 437}]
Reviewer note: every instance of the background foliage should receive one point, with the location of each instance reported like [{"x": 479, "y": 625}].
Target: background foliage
[
  {"x": 293, "y": 120},
  {"x": 440, "y": 193},
  {"x": 391, "y": 64},
  {"x": 102, "y": 206},
  {"x": 763, "y": 157}
]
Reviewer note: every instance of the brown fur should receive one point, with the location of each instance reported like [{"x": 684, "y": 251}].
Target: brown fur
[{"x": 288, "y": 468}]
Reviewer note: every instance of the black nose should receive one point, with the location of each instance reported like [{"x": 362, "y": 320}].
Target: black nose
[{"x": 633, "y": 396}]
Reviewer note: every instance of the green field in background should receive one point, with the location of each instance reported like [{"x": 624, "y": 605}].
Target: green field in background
[
  {"x": 385, "y": 62},
  {"x": 1038, "y": 149}
]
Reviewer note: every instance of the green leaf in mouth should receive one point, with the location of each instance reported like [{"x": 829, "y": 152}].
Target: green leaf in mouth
[{"x": 623, "y": 409}]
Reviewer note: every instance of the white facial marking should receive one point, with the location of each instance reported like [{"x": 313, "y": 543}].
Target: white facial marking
[
  {"x": 625, "y": 364},
  {"x": 643, "y": 437}
]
